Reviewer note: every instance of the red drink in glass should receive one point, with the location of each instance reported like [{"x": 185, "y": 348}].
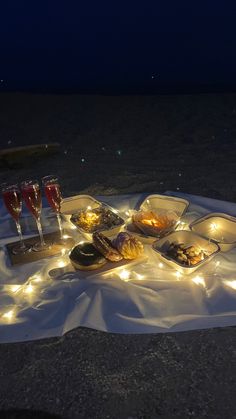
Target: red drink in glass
[
  {"x": 32, "y": 197},
  {"x": 13, "y": 203},
  {"x": 53, "y": 195}
]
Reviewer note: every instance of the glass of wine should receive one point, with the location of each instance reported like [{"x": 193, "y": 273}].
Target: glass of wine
[
  {"x": 53, "y": 195},
  {"x": 32, "y": 196},
  {"x": 13, "y": 203}
]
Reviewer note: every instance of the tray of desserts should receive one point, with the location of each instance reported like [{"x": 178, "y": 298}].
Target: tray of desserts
[
  {"x": 102, "y": 255},
  {"x": 185, "y": 251},
  {"x": 90, "y": 216},
  {"x": 158, "y": 215}
]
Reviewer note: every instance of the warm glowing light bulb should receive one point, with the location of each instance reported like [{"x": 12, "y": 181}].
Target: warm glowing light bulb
[
  {"x": 37, "y": 278},
  {"x": 65, "y": 236},
  {"x": 8, "y": 315},
  {"x": 181, "y": 225},
  {"x": 160, "y": 265},
  {"x": 213, "y": 226},
  {"x": 61, "y": 264},
  {"x": 199, "y": 280},
  {"x": 139, "y": 277},
  {"x": 231, "y": 284},
  {"x": 124, "y": 275},
  {"x": 15, "y": 288},
  {"x": 29, "y": 289},
  {"x": 89, "y": 208},
  {"x": 177, "y": 227},
  {"x": 178, "y": 275}
]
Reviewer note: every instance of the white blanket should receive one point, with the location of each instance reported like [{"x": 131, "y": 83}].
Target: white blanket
[{"x": 151, "y": 299}]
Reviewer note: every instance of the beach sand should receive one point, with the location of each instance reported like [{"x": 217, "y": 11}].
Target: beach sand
[{"x": 124, "y": 144}]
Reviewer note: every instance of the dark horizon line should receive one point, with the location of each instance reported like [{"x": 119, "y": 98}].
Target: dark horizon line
[{"x": 167, "y": 88}]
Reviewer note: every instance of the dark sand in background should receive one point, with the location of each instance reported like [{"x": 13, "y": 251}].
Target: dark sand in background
[
  {"x": 165, "y": 143},
  {"x": 159, "y": 138}
]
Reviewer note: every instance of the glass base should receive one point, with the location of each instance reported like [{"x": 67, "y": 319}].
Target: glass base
[
  {"x": 39, "y": 247},
  {"x": 61, "y": 241},
  {"x": 19, "y": 249}
]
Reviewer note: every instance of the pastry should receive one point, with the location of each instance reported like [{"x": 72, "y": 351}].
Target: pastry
[
  {"x": 85, "y": 256},
  {"x": 104, "y": 245},
  {"x": 128, "y": 246}
]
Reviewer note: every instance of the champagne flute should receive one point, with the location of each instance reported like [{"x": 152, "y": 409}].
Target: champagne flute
[
  {"x": 13, "y": 203},
  {"x": 53, "y": 195},
  {"x": 32, "y": 197}
]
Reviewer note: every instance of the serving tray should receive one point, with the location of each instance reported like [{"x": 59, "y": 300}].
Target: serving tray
[
  {"x": 106, "y": 269},
  {"x": 29, "y": 257}
]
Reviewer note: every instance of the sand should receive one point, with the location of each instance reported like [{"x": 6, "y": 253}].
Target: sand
[
  {"x": 111, "y": 145},
  {"x": 127, "y": 144}
]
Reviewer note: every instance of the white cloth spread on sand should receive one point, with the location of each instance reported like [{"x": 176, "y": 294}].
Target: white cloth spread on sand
[{"x": 152, "y": 300}]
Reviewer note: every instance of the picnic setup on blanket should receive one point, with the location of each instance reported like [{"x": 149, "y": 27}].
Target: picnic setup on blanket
[{"x": 135, "y": 263}]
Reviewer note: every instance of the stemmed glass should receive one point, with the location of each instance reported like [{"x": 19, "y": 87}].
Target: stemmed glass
[
  {"x": 32, "y": 197},
  {"x": 13, "y": 203},
  {"x": 53, "y": 195}
]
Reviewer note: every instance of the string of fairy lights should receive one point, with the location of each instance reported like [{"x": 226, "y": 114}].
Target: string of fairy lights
[{"x": 32, "y": 285}]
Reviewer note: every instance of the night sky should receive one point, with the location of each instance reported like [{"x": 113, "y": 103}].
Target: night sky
[{"x": 143, "y": 46}]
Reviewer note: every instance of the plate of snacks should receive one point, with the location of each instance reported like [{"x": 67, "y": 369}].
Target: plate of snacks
[
  {"x": 103, "y": 255},
  {"x": 185, "y": 250},
  {"x": 90, "y": 216},
  {"x": 157, "y": 216}
]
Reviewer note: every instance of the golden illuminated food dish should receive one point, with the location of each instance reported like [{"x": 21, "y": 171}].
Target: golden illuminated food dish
[
  {"x": 186, "y": 255},
  {"x": 97, "y": 219},
  {"x": 90, "y": 256},
  {"x": 153, "y": 224}
]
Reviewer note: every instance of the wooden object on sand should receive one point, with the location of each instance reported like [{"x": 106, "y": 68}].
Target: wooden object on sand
[
  {"x": 28, "y": 257},
  {"x": 14, "y": 156}
]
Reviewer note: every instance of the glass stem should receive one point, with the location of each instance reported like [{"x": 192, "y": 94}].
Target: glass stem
[
  {"x": 60, "y": 224},
  {"x": 18, "y": 227},
  {"x": 38, "y": 222}
]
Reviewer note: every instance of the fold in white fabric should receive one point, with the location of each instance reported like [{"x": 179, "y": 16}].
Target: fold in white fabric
[{"x": 151, "y": 299}]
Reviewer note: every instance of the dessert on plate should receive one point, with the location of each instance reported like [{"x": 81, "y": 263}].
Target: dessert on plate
[{"x": 91, "y": 256}]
